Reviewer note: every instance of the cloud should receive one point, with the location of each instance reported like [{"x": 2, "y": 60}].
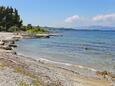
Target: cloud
[
  {"x": 101, "y": 20},
  {"x": 104, "y": 17},
  {"x": 72, "y": 19}
]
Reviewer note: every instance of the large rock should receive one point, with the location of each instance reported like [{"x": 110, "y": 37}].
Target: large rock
[
  {"x": 9, "y": 41},
  {"x": 1, "y": 43},
  {"x": 6, "y": 47},
  {"x": 12, "y": 45}
]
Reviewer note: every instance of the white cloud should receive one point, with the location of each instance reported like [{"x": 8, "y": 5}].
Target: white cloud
[
  {"x": 104, "y": 17},
  {"x": 101, "y": 19},
  {"x": 72, "y": 19}
]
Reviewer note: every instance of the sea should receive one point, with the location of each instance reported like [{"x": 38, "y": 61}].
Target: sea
[{"x": 89, "y": 48}]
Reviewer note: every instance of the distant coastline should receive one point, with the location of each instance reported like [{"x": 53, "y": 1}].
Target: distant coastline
[{"x": 96, "y": 28}]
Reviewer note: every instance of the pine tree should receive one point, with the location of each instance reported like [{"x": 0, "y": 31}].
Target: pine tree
[{"x": 9, "y": 17}]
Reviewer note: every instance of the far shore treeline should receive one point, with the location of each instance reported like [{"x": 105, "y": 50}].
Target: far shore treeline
[{"x": 10, "y": 21}]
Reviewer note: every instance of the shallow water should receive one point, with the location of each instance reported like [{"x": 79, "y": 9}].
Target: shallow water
[{"x": 95, "y": 49}]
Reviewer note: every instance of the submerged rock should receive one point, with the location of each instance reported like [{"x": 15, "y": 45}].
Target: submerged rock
[{"x": 86, "y": 48}]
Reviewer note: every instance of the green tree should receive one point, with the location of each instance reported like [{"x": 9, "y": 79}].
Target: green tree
[
  {"x": 29, "y": 26},
  {"x": 13, "y": 29},
  {"x": 9, "y": 17}
]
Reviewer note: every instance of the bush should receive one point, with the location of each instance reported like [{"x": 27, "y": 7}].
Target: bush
[
  {"x": 13, "y": 29},
  {"x": 36, "y": 30},
  {"x": 2, "y": 28},
  {"x": 9, "y": 17}
]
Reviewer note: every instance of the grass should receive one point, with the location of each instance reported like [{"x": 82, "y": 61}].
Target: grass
[
  {"x": 36, "y": 83},
  {"x": 24, "y": 72},
  {"x": 21, "y": 83},
  {"x": 2, "y": 65},
  {"x": 21, "y": 70},
  {"x": 36, "y": 31}
]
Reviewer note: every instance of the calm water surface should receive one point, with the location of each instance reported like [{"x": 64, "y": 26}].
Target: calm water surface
[{"x": 88, "y": 48}]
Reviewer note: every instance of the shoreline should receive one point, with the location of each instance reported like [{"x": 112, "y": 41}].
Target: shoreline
[
  {"x": 50, "y": 73},
  {"x": 80, "y": 69}
]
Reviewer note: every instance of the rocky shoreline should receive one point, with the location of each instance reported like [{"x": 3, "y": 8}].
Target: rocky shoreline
[{"x": 17, "y": 70}]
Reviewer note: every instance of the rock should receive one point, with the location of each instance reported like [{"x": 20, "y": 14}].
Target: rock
[
  {"x": 42, "y": 36},
  {"x": 1, "y": 43},
  {"x": 14, "y": 53},
  {"x": 16, "y": 39},
  {"x": 86, "y": 48},
  {"x": 12, "y": 42},
  {"x": 7, "y": 48},
  {"x": 105, "y": 73},
  {"x": 102, "y": 73},
  {"x": 12, "y": 45}
]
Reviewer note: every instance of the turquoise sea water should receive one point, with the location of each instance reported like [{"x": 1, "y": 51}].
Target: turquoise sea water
[{"x": 94, "y": 49}]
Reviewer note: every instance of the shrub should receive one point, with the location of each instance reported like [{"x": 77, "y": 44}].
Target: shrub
[
  {"x": 13, "y": 29},
  {"x": 36, "y": 30}
]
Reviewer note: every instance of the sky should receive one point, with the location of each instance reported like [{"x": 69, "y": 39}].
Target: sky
[{"x": 65, "y": 13}]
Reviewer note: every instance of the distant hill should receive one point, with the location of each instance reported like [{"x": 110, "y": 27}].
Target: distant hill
[
  {"x": 53, "y": 29},
  {"x": 96, "y": 27}
]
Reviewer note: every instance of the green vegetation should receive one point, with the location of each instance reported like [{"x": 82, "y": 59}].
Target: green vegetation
[
  {"x": 20, "y": 70},
  {"x": 10, "y": 21},
  {"x": 2, "y": 65},
  {"x": 21, "y": 83},
  {"x": 35, "y": 83},
  {"x": 23, "y": 71},
  {"x": 9, "y": 18},
  {"x": 36, "y": 30}
]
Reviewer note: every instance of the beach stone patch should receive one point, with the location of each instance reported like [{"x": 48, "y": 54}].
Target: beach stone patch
[{"x": 9, "y": 78}]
